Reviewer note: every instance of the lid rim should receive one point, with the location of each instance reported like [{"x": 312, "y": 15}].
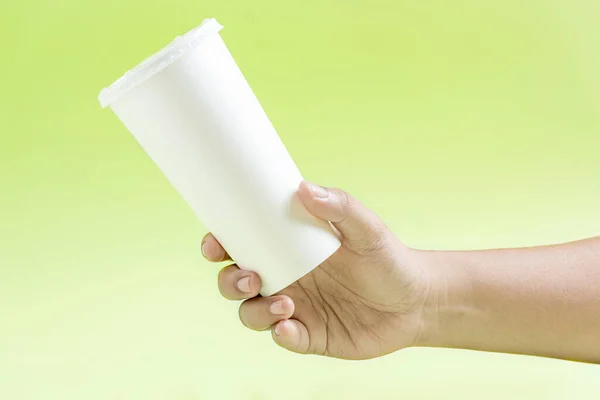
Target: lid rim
[{"x": 158, "y": 61}]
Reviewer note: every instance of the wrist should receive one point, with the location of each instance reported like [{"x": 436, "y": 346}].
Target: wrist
[{"x": 449, "y": 303}]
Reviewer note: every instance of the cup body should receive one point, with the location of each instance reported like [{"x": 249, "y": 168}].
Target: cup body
[{"x": 200, "y": 122}]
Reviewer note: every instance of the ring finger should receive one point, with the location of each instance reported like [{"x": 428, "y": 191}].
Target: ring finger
[{"x": 261, "y": 313}]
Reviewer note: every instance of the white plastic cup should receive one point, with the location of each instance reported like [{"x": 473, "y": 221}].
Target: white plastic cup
[{"x": 194, "y": 114}]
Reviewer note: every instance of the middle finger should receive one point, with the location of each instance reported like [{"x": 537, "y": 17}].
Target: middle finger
[{"x": 237, "y": 284}]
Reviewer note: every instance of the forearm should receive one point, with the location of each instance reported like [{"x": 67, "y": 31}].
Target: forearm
[{"x": 542, "y": 301}]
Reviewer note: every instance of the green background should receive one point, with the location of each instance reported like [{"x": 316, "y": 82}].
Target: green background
[{"x": 465, "y": 124}]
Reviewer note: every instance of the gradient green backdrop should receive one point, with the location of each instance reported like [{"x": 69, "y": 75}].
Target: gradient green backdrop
[{"x": 466, "y": 124}]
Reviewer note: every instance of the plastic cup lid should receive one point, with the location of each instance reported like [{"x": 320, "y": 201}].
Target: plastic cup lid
[{"x": 180, "y": 46}]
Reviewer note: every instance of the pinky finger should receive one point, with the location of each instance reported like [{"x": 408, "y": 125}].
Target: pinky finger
[{"x": 292, "y": 335}]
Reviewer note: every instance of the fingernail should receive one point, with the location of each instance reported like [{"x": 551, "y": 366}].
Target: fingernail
[
  {"x": 278, "y": 329},
  {"x": 244, "y": 284},
  {"x": 202, "y": 249},
  {"x": 276, "y": 307},
  {"x": 318, "y": 191}
]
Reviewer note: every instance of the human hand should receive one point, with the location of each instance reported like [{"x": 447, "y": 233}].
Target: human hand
[{"x": 366, "y": 300}]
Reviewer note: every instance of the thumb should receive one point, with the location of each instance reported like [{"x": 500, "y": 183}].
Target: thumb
[{"x": 353, "y": 220}]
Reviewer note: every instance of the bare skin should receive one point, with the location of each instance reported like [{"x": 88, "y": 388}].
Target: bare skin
[{"x": 375, "y": 295}]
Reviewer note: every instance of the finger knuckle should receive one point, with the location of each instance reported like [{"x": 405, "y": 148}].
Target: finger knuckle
[
  {"x": 371, "y": 242},
  {"x": 346, "y": 203}
]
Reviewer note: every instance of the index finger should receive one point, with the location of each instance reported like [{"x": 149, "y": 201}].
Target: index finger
[{"x": 212, "y": 249}]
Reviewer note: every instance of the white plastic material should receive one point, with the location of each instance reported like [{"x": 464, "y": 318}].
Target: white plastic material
[{"x": 193, "y": 112}]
